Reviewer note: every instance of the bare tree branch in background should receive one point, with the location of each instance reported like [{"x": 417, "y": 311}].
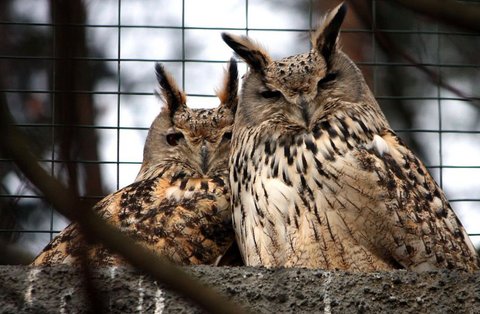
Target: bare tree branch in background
[
  {"x": 395, "y": 84},
  {"x": 67, "y": 203},
  {"x": 452, "y": 12},
  {"x": 390, "y": 47},
  {"x": 72, "y": 107},
  {"x": 96, "y": 304},
  {"x": 12, "y": 255}
]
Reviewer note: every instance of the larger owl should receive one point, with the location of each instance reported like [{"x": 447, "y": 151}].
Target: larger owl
[
  {"x": 179, "y": 204},
  {"x": 318, "y": 177}
]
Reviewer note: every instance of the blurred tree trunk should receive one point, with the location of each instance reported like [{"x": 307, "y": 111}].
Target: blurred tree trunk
[
  {"x": 7, "y": 217},
  {"x": 72, "y": 107}
]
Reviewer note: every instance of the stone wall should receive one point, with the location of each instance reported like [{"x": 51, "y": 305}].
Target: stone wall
[{"x": 122, "y": 290}]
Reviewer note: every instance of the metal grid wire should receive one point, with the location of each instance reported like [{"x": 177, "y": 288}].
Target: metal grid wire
[{"x": 431, "y": 106}]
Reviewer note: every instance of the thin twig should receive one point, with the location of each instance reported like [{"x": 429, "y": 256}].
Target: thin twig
[
  {"x": 451, "y": 12},
  {"x": 96, "y": 304}
]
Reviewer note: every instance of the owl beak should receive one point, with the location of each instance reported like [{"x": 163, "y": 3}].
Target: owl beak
[
  {"x": 306, "y": 115},
  {"x": 204, "y": 159}
]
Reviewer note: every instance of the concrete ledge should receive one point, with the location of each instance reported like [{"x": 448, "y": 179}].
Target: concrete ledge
[{"x": 59, "y": 289}]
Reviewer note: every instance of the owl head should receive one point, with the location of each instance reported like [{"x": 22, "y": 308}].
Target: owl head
[
  {"x": 297, "y": 89},
  {"x": 193, "y": 141}
]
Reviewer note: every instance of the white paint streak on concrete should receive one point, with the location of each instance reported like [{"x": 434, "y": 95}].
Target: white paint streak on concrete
[
  {"x": 113, "y": 271},
  {"x": 32, "y": 277},
  {"x": 159, "y": 301},
  {"x": 326, "y": 295},
  {"x": 141, "y": 294}
]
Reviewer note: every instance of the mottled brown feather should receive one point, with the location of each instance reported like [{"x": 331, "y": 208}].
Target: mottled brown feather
[{"x": 179, "y": 204}]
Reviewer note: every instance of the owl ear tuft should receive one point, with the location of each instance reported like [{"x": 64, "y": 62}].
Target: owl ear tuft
[
  {"x": 253, "y": 54},
  {"x": 228, "y": 93},
  {"x": 174, "y": 98},
  {"x": 325, "y": 37}
]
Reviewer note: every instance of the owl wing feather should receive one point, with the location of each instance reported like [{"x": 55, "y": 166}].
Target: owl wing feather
[
  {"x": 386, "y": 200},
  {"x": 187, "y": 221}
]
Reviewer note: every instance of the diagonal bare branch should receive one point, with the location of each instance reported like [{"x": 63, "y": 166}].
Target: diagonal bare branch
[{"x": 64, "y": 200}]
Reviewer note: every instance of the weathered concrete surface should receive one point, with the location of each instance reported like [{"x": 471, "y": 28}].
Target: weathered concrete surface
[{"x": 123, "y": 290}]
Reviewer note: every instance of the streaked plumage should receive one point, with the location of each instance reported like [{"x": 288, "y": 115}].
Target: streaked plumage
[
  {"x": 179, "y": 204},
  {"x": 318, "y": 177}
]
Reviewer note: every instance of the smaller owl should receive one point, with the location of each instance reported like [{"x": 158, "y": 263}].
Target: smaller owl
[{"x": 179, "y": 204}]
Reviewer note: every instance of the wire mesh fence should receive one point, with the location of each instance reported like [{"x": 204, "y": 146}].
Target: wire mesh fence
[{"x": 79, "y": 81}]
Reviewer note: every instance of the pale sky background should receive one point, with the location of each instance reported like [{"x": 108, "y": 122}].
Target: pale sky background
[{"x": 202, "y": 78}]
